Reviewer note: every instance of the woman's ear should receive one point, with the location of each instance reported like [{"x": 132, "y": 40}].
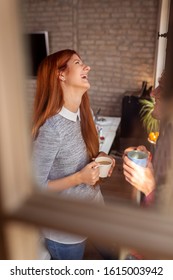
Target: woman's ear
[{"x": 61, "y": 76}]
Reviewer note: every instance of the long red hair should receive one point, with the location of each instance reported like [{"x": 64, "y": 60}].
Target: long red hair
[{"x": 49, "y": 99}]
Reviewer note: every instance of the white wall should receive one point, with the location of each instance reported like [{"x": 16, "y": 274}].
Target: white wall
[{"x": 162, "y": 42}]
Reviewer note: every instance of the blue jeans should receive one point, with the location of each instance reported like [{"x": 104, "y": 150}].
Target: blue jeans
[{"x": 60, "y": 251}]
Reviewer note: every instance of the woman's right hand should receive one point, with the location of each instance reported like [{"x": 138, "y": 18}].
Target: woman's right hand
[
  {"x": 142, "y": 178},
  {"x": 89, "y": 174}
]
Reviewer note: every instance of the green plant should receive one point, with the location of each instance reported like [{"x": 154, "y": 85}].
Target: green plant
[{"x": 149, "y": 122}]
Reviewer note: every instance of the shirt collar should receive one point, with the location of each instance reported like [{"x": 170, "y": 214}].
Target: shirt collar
[{"x": 70, "y": 115}]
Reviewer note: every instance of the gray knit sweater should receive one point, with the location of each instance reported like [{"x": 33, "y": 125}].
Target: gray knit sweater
[{"x": 59, "y": 151}]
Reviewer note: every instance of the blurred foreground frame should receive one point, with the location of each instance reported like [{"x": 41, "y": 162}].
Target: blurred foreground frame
[
  {"x": 147, "y": 231},
  {"x": 24, "y": 209}
]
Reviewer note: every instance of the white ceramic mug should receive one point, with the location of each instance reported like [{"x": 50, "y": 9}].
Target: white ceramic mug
[{"x": 104, "y": 165}]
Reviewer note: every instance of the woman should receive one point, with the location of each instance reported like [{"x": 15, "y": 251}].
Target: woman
[
  {"x": 146, "y": 179},
  {"x": 65, "y": 141},
  {"x": 151, "y": 180}
]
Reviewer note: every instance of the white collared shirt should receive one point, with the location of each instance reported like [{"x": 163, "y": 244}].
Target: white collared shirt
[{"x": 70, "y": 115}]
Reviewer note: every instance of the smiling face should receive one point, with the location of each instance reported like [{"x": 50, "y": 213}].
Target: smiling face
[{"x": 75, "y": 76}]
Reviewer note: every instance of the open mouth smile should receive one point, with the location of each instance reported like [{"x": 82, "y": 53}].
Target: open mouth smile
[{"x": 84, "y": 77}]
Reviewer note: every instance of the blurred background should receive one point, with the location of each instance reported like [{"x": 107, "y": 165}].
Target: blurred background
[{"x": 118, "y": 39}]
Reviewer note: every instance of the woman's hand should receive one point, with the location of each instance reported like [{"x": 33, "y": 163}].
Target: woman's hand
[
  {"x": 142, "y": 178},
  {"x": 139, "y": 148},
  {"x": 89, "y": 174},
  {"x": 102, "y": 154}
]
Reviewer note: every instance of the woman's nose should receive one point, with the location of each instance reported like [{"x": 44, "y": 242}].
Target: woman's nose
[{"x": 87, "y": 68}]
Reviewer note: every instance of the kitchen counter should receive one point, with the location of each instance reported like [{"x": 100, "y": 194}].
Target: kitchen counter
[{"x": 108, "y": 126}]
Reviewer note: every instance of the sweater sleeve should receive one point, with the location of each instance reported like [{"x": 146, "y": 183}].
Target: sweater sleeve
[{"x": 45, "y": 149}]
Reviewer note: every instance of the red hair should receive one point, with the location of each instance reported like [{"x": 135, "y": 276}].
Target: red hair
[{"x": 49, "y": 99}]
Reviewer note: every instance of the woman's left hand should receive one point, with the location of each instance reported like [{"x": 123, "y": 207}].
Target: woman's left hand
[{"x": 102, "y": 154}]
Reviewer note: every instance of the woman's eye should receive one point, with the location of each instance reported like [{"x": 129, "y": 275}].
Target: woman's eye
[{"x": 79, "y": 62}]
